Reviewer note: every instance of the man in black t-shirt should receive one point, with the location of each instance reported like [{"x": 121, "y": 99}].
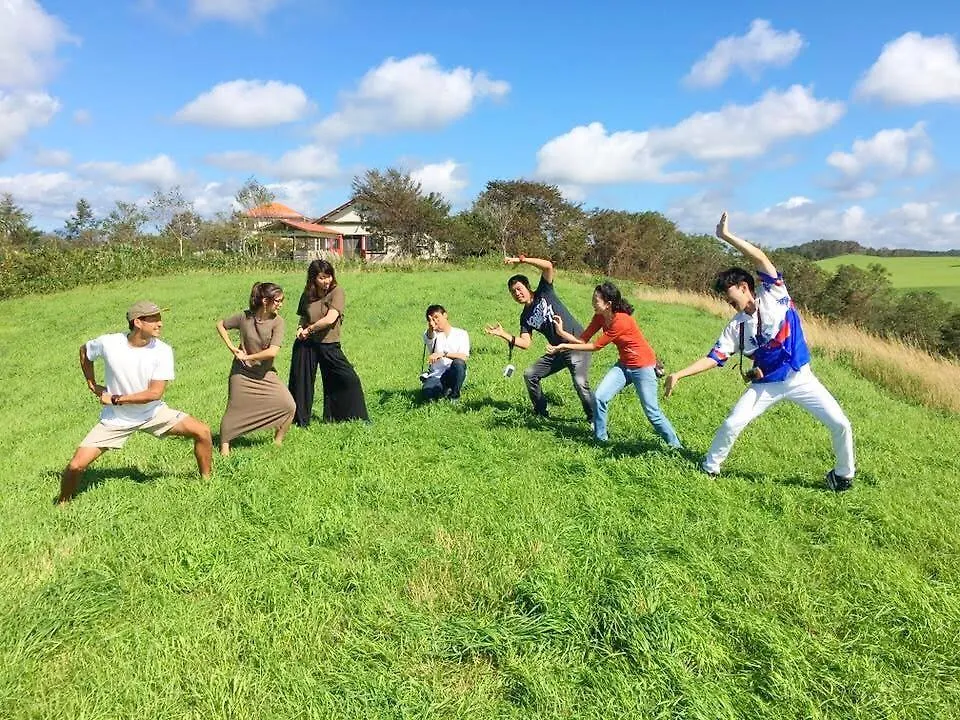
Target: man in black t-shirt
[{"x": 540, "y": 306}]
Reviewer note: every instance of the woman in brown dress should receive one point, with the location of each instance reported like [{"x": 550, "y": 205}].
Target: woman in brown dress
[
  {"x": 256, "y": 396},
  {"x": 318, "y": 345}
]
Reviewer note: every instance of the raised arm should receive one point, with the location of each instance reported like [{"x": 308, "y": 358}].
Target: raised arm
[
  {"x": 750, "y": 251},
  {"x": 545, "y": 267}
]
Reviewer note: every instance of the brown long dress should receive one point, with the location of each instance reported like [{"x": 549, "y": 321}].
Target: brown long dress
[{"x": 256, "y": 396}]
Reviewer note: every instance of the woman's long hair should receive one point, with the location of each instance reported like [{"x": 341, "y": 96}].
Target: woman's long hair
[
  {"x": 315, "y": 268},
  {"x": 262, "y": 291},
  {"x": 611, "y": 294}
]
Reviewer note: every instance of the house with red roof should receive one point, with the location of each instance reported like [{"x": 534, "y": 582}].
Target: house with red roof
[{"x": 283, "y": 226}]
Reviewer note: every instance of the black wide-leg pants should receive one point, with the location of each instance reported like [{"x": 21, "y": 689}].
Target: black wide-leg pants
[{"x": 342, "y": 391}]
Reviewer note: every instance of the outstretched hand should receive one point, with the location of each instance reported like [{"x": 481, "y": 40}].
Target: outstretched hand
[
  {"x": 553, "y": 349},
  {"x": 722, "y": 230},
  {"x": 669, "y": 384},
  {"x": 495, "y": 330}
]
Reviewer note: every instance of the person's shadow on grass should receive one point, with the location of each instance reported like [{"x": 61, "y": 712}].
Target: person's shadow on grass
[
  {"x": 408, "y": 397},
  {"x": 96, "y": 476}
]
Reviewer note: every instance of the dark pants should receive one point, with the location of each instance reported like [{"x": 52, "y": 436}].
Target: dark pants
[
  {"x": 578, "y": 363},
  {"x": 342, "y": 392},
  {"x": 448, "y": 384}
]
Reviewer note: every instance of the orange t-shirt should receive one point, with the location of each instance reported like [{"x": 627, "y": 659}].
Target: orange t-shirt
[{"x": 635, "y": 351}]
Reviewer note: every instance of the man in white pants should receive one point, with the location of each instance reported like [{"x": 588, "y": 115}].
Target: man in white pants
[{"x": 767, "y": 329}]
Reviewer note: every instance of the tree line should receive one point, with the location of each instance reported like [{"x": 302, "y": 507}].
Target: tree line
[{"x": 508, "y": 217}]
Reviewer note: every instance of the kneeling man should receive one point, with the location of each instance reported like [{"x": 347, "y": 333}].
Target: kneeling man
[{"x": 449, "y": 348}]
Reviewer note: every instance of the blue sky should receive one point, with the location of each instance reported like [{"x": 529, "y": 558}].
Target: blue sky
[{"x": 803, "y": 120}]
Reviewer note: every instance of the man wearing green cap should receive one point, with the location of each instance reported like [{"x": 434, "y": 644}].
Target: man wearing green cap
[{"x": 138, "y": 367}]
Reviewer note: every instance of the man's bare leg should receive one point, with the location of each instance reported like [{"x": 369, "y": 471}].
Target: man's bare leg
[{"x": 70, "y": 478}]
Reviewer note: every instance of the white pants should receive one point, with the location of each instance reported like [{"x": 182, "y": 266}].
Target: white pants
[{"x": 801, "y": 387}]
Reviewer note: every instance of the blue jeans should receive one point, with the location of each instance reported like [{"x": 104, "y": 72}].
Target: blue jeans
[
  {"x": 645, "y": 382},
  {"x": 449, "y": 384}
]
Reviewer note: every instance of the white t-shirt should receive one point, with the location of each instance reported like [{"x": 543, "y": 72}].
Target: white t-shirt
[
  {"x": 455, "y": 341},
  {"x": 129, "y": 370}
]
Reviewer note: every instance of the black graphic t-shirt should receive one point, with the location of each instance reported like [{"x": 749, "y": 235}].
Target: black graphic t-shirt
[{"x": 539, "y": 314}]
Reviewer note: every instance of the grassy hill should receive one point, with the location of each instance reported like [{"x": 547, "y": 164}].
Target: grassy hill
[
  {"x": 938, "y": 274},
  {"x": 465, "y": 560}
]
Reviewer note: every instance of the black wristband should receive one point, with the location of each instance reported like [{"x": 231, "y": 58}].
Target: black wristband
[{"x": 114, "y": 399}]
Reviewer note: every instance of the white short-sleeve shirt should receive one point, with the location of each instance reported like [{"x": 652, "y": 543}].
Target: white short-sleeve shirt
[
  {"x": 455, "y": 341},
  {"x": 129, "y": 370}
]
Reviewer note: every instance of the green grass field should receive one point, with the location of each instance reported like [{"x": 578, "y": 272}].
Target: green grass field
[
  {"x": 937, "y": 274},
  {"x": 465, "y": 560}
]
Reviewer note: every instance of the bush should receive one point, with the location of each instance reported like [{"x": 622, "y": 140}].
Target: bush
[{"x": 54, "y": 267}]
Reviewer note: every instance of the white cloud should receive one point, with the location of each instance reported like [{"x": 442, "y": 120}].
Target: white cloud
[
  {"x": 762, "y": 46},
  {"x": 896, "y": 151},
  {"x": 590, "y": 155},
  {"x": 573, "y": 193},
  {"x": 160, "y": 171},
  {"x": 82, "y": 117},
  {"x": 740, "y": 131},
  {"x": 914, "y": 69},
  {"x": 414, "y": 93},
  {"x": 20, "y": 113},
  {"x": 237, "y": 11},
  {"x": 29, "y": 37},
  {"x": 309, "y": 162},
  {"x": 212, "y": 198},
  {"x": 49, "y": 157},
  {"x": 916, "y": 224},
  {"x": 49, "y": 197},
  {"x": 246, "y": 104},
  {"x": 447, "y": 178},
  {"x": 301, "y": 195},
  {"x": 795, "y": 202}
]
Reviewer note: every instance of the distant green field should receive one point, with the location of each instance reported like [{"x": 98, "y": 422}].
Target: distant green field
[{"x": 937, "y": 274}]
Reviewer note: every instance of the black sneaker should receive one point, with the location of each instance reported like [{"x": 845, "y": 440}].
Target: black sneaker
[{"x": 838, "y": 483}]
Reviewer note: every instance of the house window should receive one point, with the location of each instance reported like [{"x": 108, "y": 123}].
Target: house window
[{"x": 376, "y": 244}]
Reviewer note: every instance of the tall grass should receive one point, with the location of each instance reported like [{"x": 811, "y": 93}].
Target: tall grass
[{"x": 466, "y": 560}]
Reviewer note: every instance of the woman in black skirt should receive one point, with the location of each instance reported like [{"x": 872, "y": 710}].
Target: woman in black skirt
[{"x": 318, "y": 345}]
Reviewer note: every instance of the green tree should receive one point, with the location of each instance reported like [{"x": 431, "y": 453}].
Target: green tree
[
  {"x": 16, "y": 226},
  {"x": 252, "y": 194},
  {"x": 950, "y": 336},
  {"x": 534, "y": 218},
  {"x": 393, "y": 204},
  {"x": 82, "y": 226},
  {"x": 173, "y": 215},
  {"x": 125, "y": 223},
  {"x": 861, "y": 296}
]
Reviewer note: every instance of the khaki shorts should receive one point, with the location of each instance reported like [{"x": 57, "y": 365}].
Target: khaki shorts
[{"x": 109, "y": 436}]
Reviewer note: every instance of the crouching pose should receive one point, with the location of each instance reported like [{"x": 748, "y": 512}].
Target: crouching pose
[
  {"x": 540, "y": 306},
  {"x": 138, "y": 368},
  {"x": 449, "y": 349},
  {"x": 636, "y": 364},
  {"x": 767, "y": 329}
]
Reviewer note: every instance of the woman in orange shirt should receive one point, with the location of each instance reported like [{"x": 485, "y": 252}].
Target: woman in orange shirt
[{"x": 637, "y": 360}]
